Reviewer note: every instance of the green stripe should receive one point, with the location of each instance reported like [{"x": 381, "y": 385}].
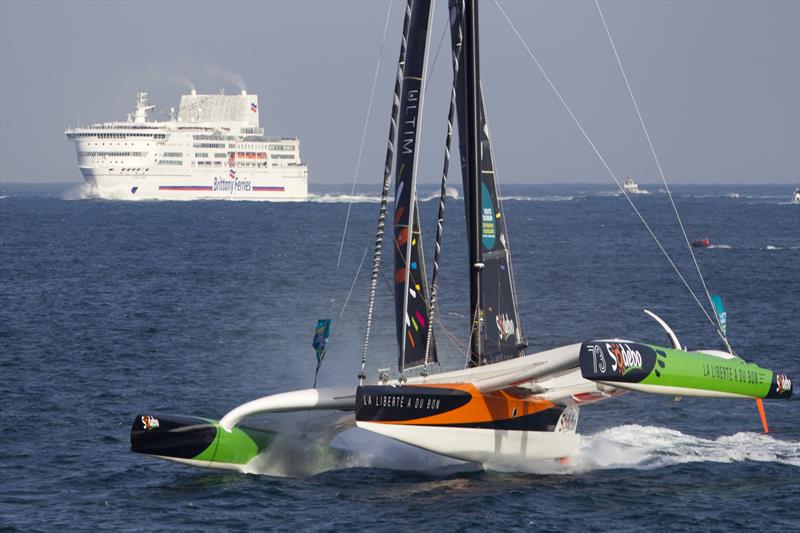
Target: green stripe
[
  {"x": 696, "y": 370},
  {"x": 239, "y": 446}
]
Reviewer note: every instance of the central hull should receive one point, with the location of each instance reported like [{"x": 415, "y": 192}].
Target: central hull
[{"x": 459, "y": 421}]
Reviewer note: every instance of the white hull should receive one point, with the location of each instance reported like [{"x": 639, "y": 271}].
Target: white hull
[
  {"x": 213, "y": 150},
  {"x": 201, "y": 185},
  {"x": 482, "y": 445}
]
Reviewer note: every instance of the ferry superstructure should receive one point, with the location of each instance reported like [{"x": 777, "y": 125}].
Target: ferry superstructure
[{"x": 213, "y": 149}]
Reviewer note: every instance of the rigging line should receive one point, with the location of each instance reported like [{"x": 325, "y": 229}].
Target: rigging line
[
  {"x": 364, "y": 133},
  {"x": 603, "y": 161},
  {"x": 661, "y": 173},
  {"x": 474, "y": 329},
  {"x": 442, "y": 197},
  {"x": 452, "y": 337},
  {"x": 387, "y": 177},
  {"x": 436, "y": 56},
  {"x": 440, "y": 223},
  {"x": 355, "y": 278}
]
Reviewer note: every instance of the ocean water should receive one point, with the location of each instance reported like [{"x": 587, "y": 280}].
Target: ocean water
[{"x": 110, "y": 309}]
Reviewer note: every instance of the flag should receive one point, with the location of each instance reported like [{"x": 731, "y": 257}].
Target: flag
[
  {"x": 320, "y": 343},
  {"x": 253, "y": 107},
  {"x": 321, "y": 335},
  {"x": 719, "y": 307}
]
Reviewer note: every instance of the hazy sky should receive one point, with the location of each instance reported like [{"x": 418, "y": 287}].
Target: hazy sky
[{"x": 718, "y": 82}]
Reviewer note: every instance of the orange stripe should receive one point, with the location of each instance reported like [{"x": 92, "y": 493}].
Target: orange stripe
[
  {"x": 488, "y": 407},
  {"x": 410, "y": 338},
  {"x": 399, "y": 213},
  {"x": 400, "y": 276}
]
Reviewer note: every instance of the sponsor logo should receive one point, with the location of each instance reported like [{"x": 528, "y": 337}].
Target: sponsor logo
[
  {"x": 408, "y": 124},
  {"x": 149, "y": 422},
  {"x": 401, "y": 401},
  {"x": 597, "y": 357},
  {"x": 623, "y": 358},
  {"x": 505, "y": 326},
  {"x": 488, "y": 229},
  {"x": 783, "y": 383},
  {"x": 230, "y": 185},
  {"x": 568, "y": 420}
]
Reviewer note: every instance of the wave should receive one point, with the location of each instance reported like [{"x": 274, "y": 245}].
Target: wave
[
  {"x": 635, "y": 446},
  {"x": 552, "y": 198},
  {"x": 649, "y": 447},
  {"x": 721, "y": 246},
  {"x": 343, "y": 198}
]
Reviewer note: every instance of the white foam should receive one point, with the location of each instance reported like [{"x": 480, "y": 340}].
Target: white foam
[
  {"x": 343, "y": 198},
  {"x": 648, "y": 447},
  {"x": 635, "y": 446},
  {"x": 552, "y": 198},
  {"x": 629, "y": 446}
]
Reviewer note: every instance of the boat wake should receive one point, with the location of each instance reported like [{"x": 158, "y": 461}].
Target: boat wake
[
  {"x": 551, "y": 198},
  {"x": 649, "y": 447},
  {"x": 83, "y": 191},
  {"x": 623, "y": 447},
  {"x": 343, "y": 198},
  {"x": 329, "y": 198}
]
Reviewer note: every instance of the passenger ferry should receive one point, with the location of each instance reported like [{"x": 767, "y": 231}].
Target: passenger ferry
[{"x": 213, "y": 149}]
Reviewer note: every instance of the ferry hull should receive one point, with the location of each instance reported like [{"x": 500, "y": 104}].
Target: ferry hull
[{"x": 186, "y": 187}]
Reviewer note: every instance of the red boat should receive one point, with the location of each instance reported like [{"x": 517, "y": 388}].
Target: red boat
[{"x": 701, "y": 243}]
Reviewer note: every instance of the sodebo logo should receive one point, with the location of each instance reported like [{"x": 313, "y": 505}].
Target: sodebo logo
[{"x": 623, "y": 357}]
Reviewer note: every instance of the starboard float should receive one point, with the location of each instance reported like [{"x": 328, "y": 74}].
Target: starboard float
[{"x": 504, "y": 404}]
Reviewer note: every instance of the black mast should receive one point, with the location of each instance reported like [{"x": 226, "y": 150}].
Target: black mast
[{"x": 471, "y": 79}]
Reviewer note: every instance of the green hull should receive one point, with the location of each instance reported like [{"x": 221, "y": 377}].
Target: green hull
[
  {"x": 660, "y": 370},
  {"x": 199, "y": 441}
]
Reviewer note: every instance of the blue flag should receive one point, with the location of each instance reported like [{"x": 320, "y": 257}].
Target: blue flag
[
  {"x": 719, "y": 307},
  {"x": 321, "y": 335},
  {"x": 320, "y": 342}
]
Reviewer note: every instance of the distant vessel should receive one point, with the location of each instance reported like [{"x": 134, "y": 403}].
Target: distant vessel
[
  {"x": 631, "y": 186},
  {"x": 213, "y": 149},
  {"x": 702, "y": 243},
  {"x": 796, "y": 198}
]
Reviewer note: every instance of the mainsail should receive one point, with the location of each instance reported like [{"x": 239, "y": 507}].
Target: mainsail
[
  {"x": 411, "y": 291},
  {"x": 496, "y": 332}
]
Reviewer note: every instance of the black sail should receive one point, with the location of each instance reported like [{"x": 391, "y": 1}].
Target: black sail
[
  {"x": 496, "y": 327},
  {"x": 411, "y": 291}
]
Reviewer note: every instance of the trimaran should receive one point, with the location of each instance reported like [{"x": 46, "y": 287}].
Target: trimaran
[{"x": 504, "y": 405}]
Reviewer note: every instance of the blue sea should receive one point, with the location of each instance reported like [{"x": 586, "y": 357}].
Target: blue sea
[{"x": 113, "y": 309}]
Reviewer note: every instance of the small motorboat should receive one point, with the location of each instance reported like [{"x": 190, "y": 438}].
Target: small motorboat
[{"x": 701, "y": 243}]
